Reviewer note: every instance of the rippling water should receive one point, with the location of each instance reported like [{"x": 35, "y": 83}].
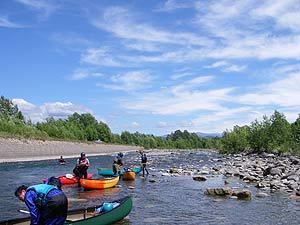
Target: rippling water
[{"x": 167, "y": 200}]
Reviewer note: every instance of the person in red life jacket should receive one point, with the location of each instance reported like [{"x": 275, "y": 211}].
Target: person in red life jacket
[
  {"x": 82, "y": 166},
  {"x": 47, "y": 204}
]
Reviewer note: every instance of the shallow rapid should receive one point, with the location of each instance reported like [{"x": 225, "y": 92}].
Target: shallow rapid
[{"x": 157, "y": 199}]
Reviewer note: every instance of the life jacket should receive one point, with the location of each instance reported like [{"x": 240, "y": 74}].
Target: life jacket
[
  {"x": 41, "y": 190},
  {"x": 119, "y": 161},
  {"x": 144, "y": 158}
]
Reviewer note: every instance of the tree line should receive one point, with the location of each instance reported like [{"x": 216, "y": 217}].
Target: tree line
[
  {"x": 84, "y": 127},
  {"x": 273, "y": 134}
]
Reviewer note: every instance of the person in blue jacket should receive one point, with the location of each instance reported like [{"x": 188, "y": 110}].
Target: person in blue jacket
[{"x": 47, "y": 204}]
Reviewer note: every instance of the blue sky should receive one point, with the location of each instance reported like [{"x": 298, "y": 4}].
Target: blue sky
[{"x": 152, "y": 66}]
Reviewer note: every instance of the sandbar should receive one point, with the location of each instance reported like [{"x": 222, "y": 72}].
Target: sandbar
[{"x": 22, "y": 149}]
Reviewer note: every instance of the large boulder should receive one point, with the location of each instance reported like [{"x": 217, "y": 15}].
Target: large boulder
[
  {"x": 240, "y": 194},
  {"x": 218, "y": 191}
]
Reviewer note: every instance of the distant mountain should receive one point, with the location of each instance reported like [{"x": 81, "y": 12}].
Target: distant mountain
[{"x": 201, "y": 134}]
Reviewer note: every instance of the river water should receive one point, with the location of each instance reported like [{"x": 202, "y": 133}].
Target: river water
[{"x": 157, "y": 199}]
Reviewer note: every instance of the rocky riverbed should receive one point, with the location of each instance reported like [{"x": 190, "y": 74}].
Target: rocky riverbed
[{"x": 268, "y": 172}]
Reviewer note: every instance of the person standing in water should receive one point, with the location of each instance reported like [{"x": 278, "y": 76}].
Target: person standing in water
[
  {"x": 144, "y": 163},
  {"x": 82, "y": 166}
]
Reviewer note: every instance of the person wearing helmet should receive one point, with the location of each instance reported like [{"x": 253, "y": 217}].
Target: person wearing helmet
[
  {"x": 119, "y": 159},
  {"x": 82, "y": 166}
]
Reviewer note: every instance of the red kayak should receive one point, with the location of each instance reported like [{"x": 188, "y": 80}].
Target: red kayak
[{"x": 68, "y": 179}]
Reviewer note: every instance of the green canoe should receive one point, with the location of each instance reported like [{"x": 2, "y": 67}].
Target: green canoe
[
  {"x": 109, "y": 172},
  {"x": 90, "y": 216}
]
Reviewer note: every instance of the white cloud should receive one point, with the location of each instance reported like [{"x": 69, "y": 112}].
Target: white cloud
[
  {"x": 70, "y": 39},
  {"x": 181, "y": 99},
  {"x": 234, "y": 68},
  {"x": 142, "y": 46},
  {"x": 123, "y": 24},
  {"x": 285, "y": 13},
  {"x": 24, "y": 105},
  {"x": 80, "y": 74},
  {"x": 190, "y": 85},
  {"x": 162, "y": 124},
  {"x": 217, "y": 64},
  {"x": 221, "y": 120},
  {"x": 283, "y": 92},
  {"x": 100, "y": 57},
  {"x": 44, "y": 7},
  {"x": 181, "y": 75},
  {"x": 240, "y": 33},
  {"x": 135, "y": 125},
  {"x": 129, "y": 81},
  {"x": 5, "y": 22},
  {"x": 172, "y": 5},
  {"x": 226, "y": 66},
  {"x": 56, "y": 110}
]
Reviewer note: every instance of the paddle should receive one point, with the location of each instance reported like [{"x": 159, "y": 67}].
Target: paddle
[
  {"x": 77, "y": 199},
  {"x": 23, "y": 211}
]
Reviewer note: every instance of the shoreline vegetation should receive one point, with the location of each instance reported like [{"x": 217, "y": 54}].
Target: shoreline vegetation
[{"x": 273, "y": 134}]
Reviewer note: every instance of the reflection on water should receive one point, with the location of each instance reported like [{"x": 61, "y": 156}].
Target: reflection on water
[{"x": 167, "y": 200}]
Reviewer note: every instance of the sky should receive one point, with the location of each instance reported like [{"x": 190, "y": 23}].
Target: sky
[{"x": 152, "y": 67}]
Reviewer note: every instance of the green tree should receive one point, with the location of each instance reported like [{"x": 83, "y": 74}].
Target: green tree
[
  {"x": 259, "y": 135},
  {"x": 236, "y": 140},
  {"x": 295, "y": 136},
  {"x": 8, "y": 110},
  {"x": 279, "y": 133},
  {"x": 104, "y": 132}
]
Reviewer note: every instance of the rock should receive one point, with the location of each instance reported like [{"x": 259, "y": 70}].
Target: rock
[
  {"x": 218, "y": 191},
  {"x": 199, "y": 178},
  {"x": 242, "y": 194},
  {"x": 251, "y": 178},
  {"x": 226, "y": 182},
  {"x": 275, "y": 171},
  {"x": 293, "y": 177},
  {"x": 260, "y": 185},
  {"x": 204, "y": 172},
  {"x": 173, "y": 170},
  {"x": 266, "y": 171},
  {"x": 262, "y": 195}
]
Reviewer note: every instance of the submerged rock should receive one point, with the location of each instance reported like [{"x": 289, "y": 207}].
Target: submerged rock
[
  {"x": 199, "y": 178},
  {"x": 242, "y": 194},
  {"x": 239, "y": 194},
  {"x": 218, "y": 191}
]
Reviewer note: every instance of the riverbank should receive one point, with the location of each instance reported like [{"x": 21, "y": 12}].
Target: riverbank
[{"x": 18, "y": 150}]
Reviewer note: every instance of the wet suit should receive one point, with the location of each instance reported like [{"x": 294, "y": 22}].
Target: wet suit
[
  {"x": 116, "y": 168},
  {"x": 144, "y": 163},
  {"x": 47, "y": 205}
]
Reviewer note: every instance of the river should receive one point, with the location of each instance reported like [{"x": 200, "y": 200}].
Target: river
[{"x": 157, "y": 199}]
